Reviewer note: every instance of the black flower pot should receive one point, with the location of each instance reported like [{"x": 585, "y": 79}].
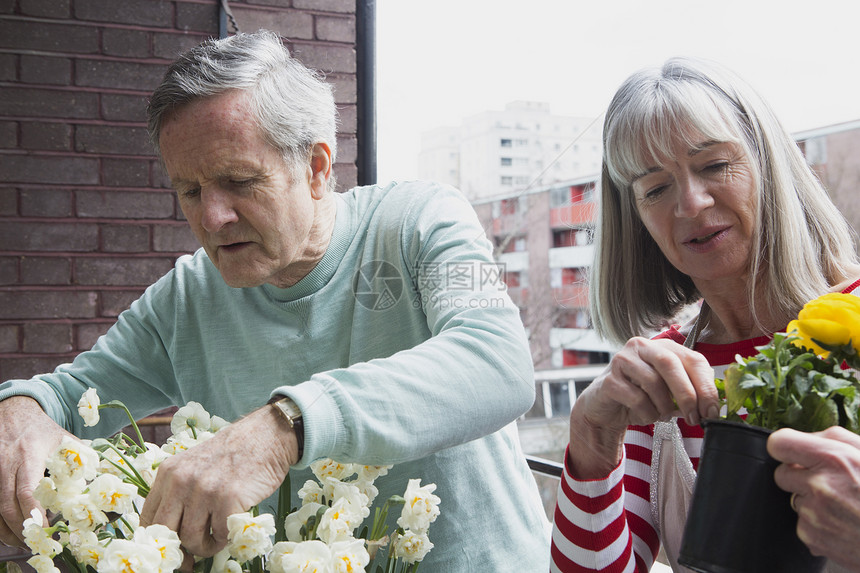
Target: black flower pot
[{"x": 739, "y": 520}]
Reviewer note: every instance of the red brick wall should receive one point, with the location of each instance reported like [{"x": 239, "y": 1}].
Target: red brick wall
[{"x": 87, "y": 220}]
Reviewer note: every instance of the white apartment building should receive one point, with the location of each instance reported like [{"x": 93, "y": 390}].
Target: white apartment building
[{"x": 521, "y": 147}]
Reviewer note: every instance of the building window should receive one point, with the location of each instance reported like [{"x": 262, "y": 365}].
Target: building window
[
  {"x": 507, "y": 180},
  {"x": 563, "y": 238},
  {"x": 572, "y": 276},
  {"x": 506, "y": 161},
  {"x": 572, "y": 318},
  {"x": 574, "y": 357},
  {"x": 509, "y": 206},
  {"x": 516, "y": 279},
  {"x": 574, "y": 237},
  {"x": 505, "y": 143},
  {"x": 577, "y": 357},
  {"x": 564, "y": 196}
]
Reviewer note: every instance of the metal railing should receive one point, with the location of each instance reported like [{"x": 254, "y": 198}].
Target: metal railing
[{"x": 545, "y": 467}]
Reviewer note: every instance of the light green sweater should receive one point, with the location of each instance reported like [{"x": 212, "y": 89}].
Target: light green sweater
[{"x": 400, "y": 347}]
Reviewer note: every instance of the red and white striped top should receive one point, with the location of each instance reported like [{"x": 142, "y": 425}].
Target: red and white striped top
[{"x": 606, "y": 524}]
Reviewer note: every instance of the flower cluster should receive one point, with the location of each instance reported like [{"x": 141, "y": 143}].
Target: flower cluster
[
  {"x": 95, "y": 490},
  {"x": 320, "y": 536},
  {"x": 804, "y": 378}
]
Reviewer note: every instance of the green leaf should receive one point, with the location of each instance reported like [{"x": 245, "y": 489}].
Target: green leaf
[
  {"x": 828, "y": 384},
  {"x": 749, "y": 381},
  {"x": 818, "y": 414},
  {"x": 735, "y": 395}
]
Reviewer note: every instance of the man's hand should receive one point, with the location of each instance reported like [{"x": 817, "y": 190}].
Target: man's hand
[
  {"x": 822, "y": 470},
  {"x": 27, "y": 438},
  {"x": 196, "y": 490}
]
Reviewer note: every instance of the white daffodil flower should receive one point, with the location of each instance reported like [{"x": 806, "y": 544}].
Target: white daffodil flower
[
  {"x": 305, "y": 557},
  {"x": 338, "y": 522},
  {"x": 350, "y": 493},
  {"x": 125, "y": 556},
  {"x": 311, "y": 492},
  {"x": 165, "y": 541},
  {"x": 294, "y": 522},
  {"x": 73, "y": 460},
  {"x": 85, "y": 547},
  {"x": 88, "y": 407},
  {"x": 249, "y": 536},
  {"x": 147, "y": 463},
  {"x": 368, "y": 489},
  {"x": 110, "y": 494},
  {"x": 349, "y": 556},
  {"x": 82, "y": 513},
  {"x": 217, "y": 423},
  {"x": 329, "y": 468},
  {"x": 42, "y": 564},
  {"x": 192, "y": 415},
  {"x": 370, "y": 473},
  {"x": 412, "y": 546},
  {"x": 37, "y": 539},
  {"x": 421, "y": 507}
]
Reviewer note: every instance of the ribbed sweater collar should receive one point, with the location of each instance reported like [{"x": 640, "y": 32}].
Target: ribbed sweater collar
[{"x": 341, "y": 237}]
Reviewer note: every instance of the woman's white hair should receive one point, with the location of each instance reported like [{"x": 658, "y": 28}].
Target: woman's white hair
[
  {"x": 293, "y": 106},
  {"x": 802, "y": 244}
]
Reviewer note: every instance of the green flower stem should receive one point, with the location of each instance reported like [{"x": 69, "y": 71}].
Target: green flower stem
[
  {"x": 777, "y": 370},
  {"x": 284, "y": 493},
  {"x": 134, "y": 477},
  {"x": 127, "y": 525},
  {"x": 380, "y": 516},
  {"x": 120, "y": 405}
]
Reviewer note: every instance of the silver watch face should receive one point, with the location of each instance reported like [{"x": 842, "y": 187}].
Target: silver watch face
[{"x": 288, "y": 407}]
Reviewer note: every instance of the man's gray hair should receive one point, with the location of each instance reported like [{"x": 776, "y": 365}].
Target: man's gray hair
[{"x": 293, "y": 106}]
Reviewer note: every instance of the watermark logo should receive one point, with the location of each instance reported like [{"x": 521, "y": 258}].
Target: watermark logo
[{"x": 378, "y": 285}]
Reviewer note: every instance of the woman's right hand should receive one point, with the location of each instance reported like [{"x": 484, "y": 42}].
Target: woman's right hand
[{"x": 647, "y": 381}]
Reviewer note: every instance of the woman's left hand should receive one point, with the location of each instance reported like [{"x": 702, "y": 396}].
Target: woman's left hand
[{"x": 822, "y": 471}]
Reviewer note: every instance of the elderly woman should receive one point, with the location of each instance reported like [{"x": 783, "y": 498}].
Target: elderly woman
[{"x": 705, "y": 197}]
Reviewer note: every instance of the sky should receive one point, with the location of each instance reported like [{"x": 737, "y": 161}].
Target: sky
[{"x": 439, "y": 61}]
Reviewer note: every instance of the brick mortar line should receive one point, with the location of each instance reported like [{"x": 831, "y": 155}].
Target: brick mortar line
[
  {"x": 103, "y": 255},
  {"x": 110, "y": 25},
  {"x": 95, "y": 221},
  {"x": 69, "y": 121}
]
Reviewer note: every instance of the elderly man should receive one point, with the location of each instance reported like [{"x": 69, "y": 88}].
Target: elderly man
[{"x": 373, "y": 317}]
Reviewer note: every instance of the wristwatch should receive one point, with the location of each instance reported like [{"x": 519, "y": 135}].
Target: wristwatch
[{"x": 291, "y": 413}]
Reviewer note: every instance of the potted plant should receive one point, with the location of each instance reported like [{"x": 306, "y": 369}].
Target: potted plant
[{"x": 739, "y": 520}]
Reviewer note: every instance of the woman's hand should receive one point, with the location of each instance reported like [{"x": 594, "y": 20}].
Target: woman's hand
[
  {"x": 647, "y": 381},
  {"x": 822, "y": 470}
]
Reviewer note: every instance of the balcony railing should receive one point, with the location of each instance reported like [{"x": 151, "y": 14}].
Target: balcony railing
[
  {"x": 545, "y": 467},
  {"x": 575, "y": 215}
]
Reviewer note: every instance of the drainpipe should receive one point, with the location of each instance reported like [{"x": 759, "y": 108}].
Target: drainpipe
[
  {"x": 365, "y": 48},
  {"x": 226, "y": 20}
]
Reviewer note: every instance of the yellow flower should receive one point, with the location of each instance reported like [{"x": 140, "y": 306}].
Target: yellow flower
[{"x": 832, "y": 319}]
